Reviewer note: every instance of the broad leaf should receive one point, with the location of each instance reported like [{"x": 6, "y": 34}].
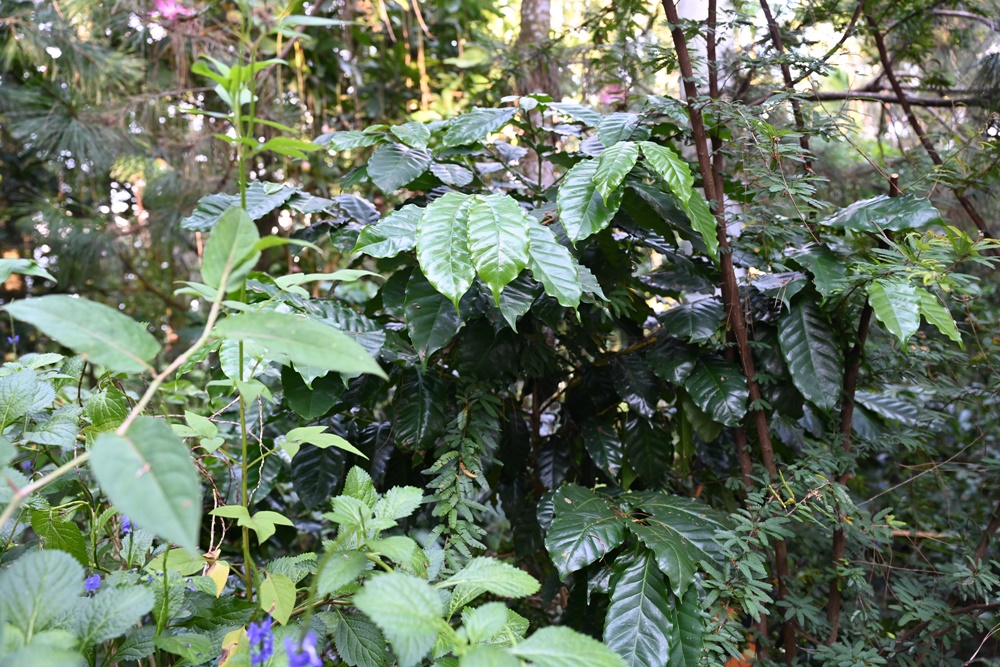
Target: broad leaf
[
  {"x": 431, "y": 320},
  {"x": 413, "y": 134},
  {"x": 695, "y": 322},
  {"x": 25, "y": 267},
  {"x": 937, "y": 313},
  {"x": 230, "y": 253},
  {"x": 552, "y": 265},
  {"x": 148, "y": 474},
  {"x": 671, "y": 168},
  {"x": 498, "y": 240},
  {"x": 517, "y": 298},
  {"x": 719, "y": 389},
  {"x": 475, "y": 125},
  {"x": 672, "y": 360},
  {"x": 827, "y": 269},
  {"x": 649, "y": 450},
  {"x": 395, "y": 233},
  {"x": 489, "y": 575},
  {"x": 562, "y": 647},
  {"x": 620, "y": 126},
  {"x": 679, "y": 531},
  {"x": 613, "y": 166},
  {"x": 420, "y": 411},
  {"x": 110, "y": 613},
  {"x": 578, "y": 112},
  {"x": 582, "y": 210},
  {"x": 687, "y": 630},
  {"x": 316, "y": 473},
  {"x": 310, "y": 403},
  {"x": 585, "y": 528},
  {"x": 262, "y": 198},
  {"x": 359, "y": 641},
  {"x": 636, "y": 384},
  {"x": 638, "y": 621},
  {"x": 302, "y": 341},
  {"x": 60, "y": 534},
  {"x": 394, "y": 165},
  {"x": 277, "y": 597},
  {"x": 100, "y": 334},
  {"x": 884, "y": 213},
  {"x": 896, "y": 304},
  {"x": 452, "y": 174},
  {"x": 345, "y": 141},
  {"x": 600, "y": 438},
  {"x": 443, "y": 245},
  {"x": 814, "y": 358},
  {"x": 407, "y": 610},
  {"x": 39, "y": 589}
]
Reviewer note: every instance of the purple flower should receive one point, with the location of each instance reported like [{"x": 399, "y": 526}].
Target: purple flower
[
  {"x": 171, "y": 10},
  {"x": 12, "y": 340},
  {"x": 92, "y": 583},
  {"x": 305, "y": 655},
  {"x": 126, "y": 526},
  {"x": 261, "y": 642}
]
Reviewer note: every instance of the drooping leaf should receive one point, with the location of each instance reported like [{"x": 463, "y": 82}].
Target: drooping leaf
[
  {"x": 420, "y": 413},
  {"x": 443, "y": 245},
  {"x": 636, "y": 384},
  {"x": 310, "y": 403},
  {"x": 25, "y": 267},
  {"x": 672, "y": 360},
  {"x": 413, "y": 134},
  {"x": 316, "y": 473},
  {"x": 695, "y": 322},
  {"x": 578, "y": 112},
  {"x": 39, "y": 589},
  {"x": 938, "y": 314},
  {"x": 407, "y": 610},
  {"x": 814, "y": 358},
  {"x": 394, "y": 165},
  {"x": 827, "y": 269},
  {"x": 552, "y": 463},
  {"x": 582, "y": 210},
  {"x": 671, "y": 168},
  {"x": 719, "y": 388},
  {"x": 890, "y": 407},
  {"x": 100, "y": 334},
  {"x": 679, "y": 531},
  {"x": 488, "y": 575},
  {"x": 498, "y": 240},
  {"x": 585, "y": 528},
  {"x": 262, "y": 198},
  {"x": 896, "y": 304},
  {"x": 277, "y": 596},
  {"x": 649, "y": 449},
  {"x": 638, "y": 621},
  {"x": 475, "y": 125},
  {"x": 702, "y": 221},
  {"x": 231, "y": 251},
  {"x": 148, "y": 474},
  {"x": 884, "y": 213},
  {"x": 517, "y": 298},
  {"x": 395, "y": 233},
  {"x": 552, "y": 265},
  {"x": 687, "y": 630},
  {"x": 431, "y": 319},
  {"x": 613, "y": 166},
  {"x": 301, "y": 341},
  {"x": 556, "y": 646},
  {"x": 600, "y": 438}
]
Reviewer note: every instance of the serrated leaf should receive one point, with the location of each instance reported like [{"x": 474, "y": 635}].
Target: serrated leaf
[
  {"x": 98, "y": 333},
  {"x": 359, "y": 641},
  {"x": 719, "y": 389},
  {"x": 39, "y": 589},
  {"x": 443, "y": 245},
  {"x": 671, "y": 168},
  {"x": 60, "y": 534},
  {"x": 340, "y": 568},
  {"x": 110, "y": 613},
  {"x": 488, "y": 575},
  {"x": 475, "y": 125},
  {"x": 814, "y": 358},
  {"x": 679, "y": 531},
  {"x": 896, "y": 304},
  {"x": 582, "y": 210},
  {"x": 695, "y": 322},
  {"x": 484, "y": 622},
  {"x": 301, "y": 341},
  {"x": 148, "y": 474},
  {"x": 407, "y": 610},
  {"x": 562, "y": 647},
  {"x": 552, "y": 264},
  {"x": 431, "y": 320},
  {"x": 638, "y": 621},
  {"x": 395, "y": 233},
  {"x": 613, "y": 166},
  {"x": 937, "y": 313},
  {"x": 498, "y": 240},
  {"x": 585, "y": 528},
  {"x": 394, "y": 165},
  {"x": 398, "y": 503},
  {"x": 884, "y": 213},
  {"x": 17, "y": 392}
]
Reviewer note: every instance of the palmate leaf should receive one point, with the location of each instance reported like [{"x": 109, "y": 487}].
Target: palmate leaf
[
  {"x": 443, "y": 245},
  {"x": 394, "y": 165},
  {"x": 585, "y": 528},
  {"x": 814, "y": 359},
  {"x": 614, "y": 164},
  {"x": 638, "y": 621},
  {"x": 679, "y": 531},
  {"x": 896, "y": 304},
  {"x": 498, "y": 240},
  {"x": 431, "y": 320},
  {"x": 582, "y": 210},
  {"x": 395, "y": 233},
  {"x": 552, "y": 264},
  {"x": 719, "y": 389}
]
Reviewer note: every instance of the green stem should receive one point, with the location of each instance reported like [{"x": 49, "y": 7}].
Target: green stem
[{"x": 248, "y": 564}]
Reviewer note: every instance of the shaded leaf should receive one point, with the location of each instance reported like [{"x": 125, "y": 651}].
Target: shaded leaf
[
  {"x": 394, "y": 165},
  {"x": 431, "y": 319},
  {"x": 695, "y": 322},
  {"x": 638, "y": 621},
  {"x": 884, "y": 213},
  {"x": 636, "y": 384},
  {"x": 316, "y": 473},
  {"x": 814, "y": 358},
  {"x": 600, "y": 438},
  {"x": 552, "y": 265},
  {"x": 937, "y": 313},
  {"x": 896, "y": 304},
  {"x": 585, "y": 527},
  {"x": 719, "y": 388},
  {"x": 649, "y": 450},
  {"x": 420, "y": 411},
  {"x": 475, "y": 125}
]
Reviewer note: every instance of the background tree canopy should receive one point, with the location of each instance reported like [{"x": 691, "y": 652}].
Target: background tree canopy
[{"x": 483, "y": 333}]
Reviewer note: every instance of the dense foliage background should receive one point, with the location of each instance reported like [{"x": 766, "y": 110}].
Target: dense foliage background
[{"x": 485, "y": 333}]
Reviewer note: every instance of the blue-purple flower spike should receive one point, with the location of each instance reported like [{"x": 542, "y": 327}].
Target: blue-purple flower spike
[
  {"x": 92, "y": 583},
  {"x": 261, "y": 640},
  {"x": 305, "y": 655},
  {"x": 126, "y": 526}
]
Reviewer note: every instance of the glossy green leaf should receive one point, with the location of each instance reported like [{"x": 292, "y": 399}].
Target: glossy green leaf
[
  {"x": 262, "y": 198},
  {"x": 578, "y": 112},
  {"x": 359, "y": 641},
  {"x": 148, "y": 474},
  {"x": 310, "y": 403},
  {"x": 39, "y": 589},
  {"x": 60, "y": 534},
  {"x": 671, "y": 168},
  {"x": 638, "y": 621},
  {"x": 517, "y": 298},
  {"x": 620, "y": 126},
  {"x": 345, "y": 141},
  {"x": 679, "y": 531},
  {"x": 302, "y": 341},
  {"x": 636, "y": 384},
  {"x": 443, "y": 245},
  {"x": 413, "y": 134},
  {"x": 828, "y": 270},
  {"x": 884, "y": 213},
  {"x": 600, "y": 438},
  {"x": 687, "y": 631},
  {"x": 719, "y": 389},
  {"x": 649, "y": 449},
  {"x": 475, "y": 125},
  {"x": 498, "y": 240},
  {"x": 407, "y": 610},
  {"x": 582, "y": 210},
  {"x": 703, "y": 221},
  {"x": 695, "y": 322},
  {"x": 556, "y": 646},
  {"x": 613, "y": 166},
  {"x": 937, "y": 313},
  {"x": 394, "y": 165},
  {"x": 585, "y": 528},
  {"x": 815, "y": 360},
  {"x": 452, "y": 174},
  {"x": 420, "y": 411},
  {"x": 552, "y": 264},
  {"x": 230, "y": 253},
  {"x": 896, "y": 304},
  {"x": 316, "y": 473},
  {"x": 99, "y": 334},
  {"x": 672, "y": 360},
  {"x": 890, "y": 407},
  {"x": 431, "y": 320}
]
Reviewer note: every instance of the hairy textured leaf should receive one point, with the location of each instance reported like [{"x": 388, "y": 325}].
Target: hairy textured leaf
[
  {"x": 719, "y": 389},
  {"x": 407, "y": 610},
  {"x": 498, "y": 240},
  {"x": 671, "y": 168},
  {"x": 896, "y": 304},
  {"x": 884, "y": 213},
  {"x": 110, "y": 613},
  {"x": 613, "y": 166},
  {"x": 562, "y": 647},
  {"x": 553, "y": 265},
  {"x": 394, "y": 165},
  {"x": 359, "y": 641},
  {"x": 582, "y": 210},
  {"x": 100, "y": 334},
  {"x": 937, "y": 313},
  {"x": 814, "y": 358},
  {"x": 488, "y": 575},
  {"x": 431, "y": 320},
  {"x": 475, "y": 125},
  {"x": 695, "y": 322},
  {"x": 395, "y": 233},
  {"x": 60, "y": 534},
  {"x": 39, "y": 589},
  {"x": 584, "y": 529},
  {"x": 679, "y": 531},
  {"x": 443, "y": 245},
  {"x": 638, "y": 621}
]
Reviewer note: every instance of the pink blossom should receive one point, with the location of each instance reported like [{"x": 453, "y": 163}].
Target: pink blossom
[
  {"x": 170, "y": 10},
  {"x": 612, "y": 93}
]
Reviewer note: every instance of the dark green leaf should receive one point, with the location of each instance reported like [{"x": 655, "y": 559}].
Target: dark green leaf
[
  {"x": 686, "y": 631},
  {"x": 578, "y": 112},
  {"x": 672, "y": 360},
  {"x": 827, "y": 269},
  {"x": 695, "y": 322},
  {"x": 316, "y": 473},
  {"x": 59, "y": 534},
  {"x": 517, "y": 298},
  {"x": 814, "y": 358},
  {"x": 649, "y": 450},
  {"x": 394, "y": 165},
  {"x": 475, "y": 125},
  {"x": 552, "y": 463},
  {"x": 585, "y": 528},
  {"x": 110, "y": 613},
  {"x": 719, "y": 388},
  {"x": 431, "y": 319},
  {"x": 600, "y": 437},
  {"x": 884, "y": 213},
  {"x": 262, "y": 198},
  {"x": 420, "y": 412},
  {"x": 359, "y": 641},
  {"x": 395, "y": 233},
  {"x": 671, "y": 168},
  {"x": 638, "y": 621},
  {"x": 310, "y": 403},
  {"x": 636, "y": 384}
]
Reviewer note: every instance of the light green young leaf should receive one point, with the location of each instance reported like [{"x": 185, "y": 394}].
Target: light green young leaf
[
  {"x": 25, "y": 267},
  {"x": 399, "y": 502},
  {"x": 314, "y": 435},
  {"x": 613, "y": 166},
  {"x": 60, "y": 534},
  {"x": 498, "y": 240},
  {"x": 100, "y": 334},
  {"x": 703, "y": 222},
  {"x": 443, "y": 245},
  {"x": 17, "y": 395},
  {"x": 484, "y": 622},
  {"x": 937, "y": 313},
  {"x": 408, "y": 610},
  {"x": 556, "y": 646},
  {"x": 339, "y": 569},
  {"x": 277, "y": 597},
  {"x": 230, "y": 253},
  {"x": 149, "y": 476},
  {"x": 395, "y": 233},
  {"x": 896, "y": 304},
  {"x": 488, "y": 575},
  {"x": 671, "y": 168}
]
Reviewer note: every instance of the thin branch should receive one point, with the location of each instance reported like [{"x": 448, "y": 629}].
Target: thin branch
[
  {"x": 786, "y": 75},
  {"x": 892, "y": 98}
]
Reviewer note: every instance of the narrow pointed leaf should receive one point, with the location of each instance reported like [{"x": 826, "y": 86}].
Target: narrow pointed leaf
[
  {"x": 620, "y": 126},
  {"x": 443, "y": 245},
  {"x": 475, "y": 125},
  {"x": 702, "y": 221},
  {"x": 498, "y": 240},
  {"x": 671, "y": 168},
  {"x": 638, "y": 621},
  {"x": 582, "y": 210},
  {"x": 687, "y": 631},
  {"x": 553, "y": 265},
  {"x": 420, "y": 415},
  {"x": 613, "y": 166},
  {"x": 230, "y": 253},
  {"x": 814, "y": 358},
  {"x": 896, "y": 304}
]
